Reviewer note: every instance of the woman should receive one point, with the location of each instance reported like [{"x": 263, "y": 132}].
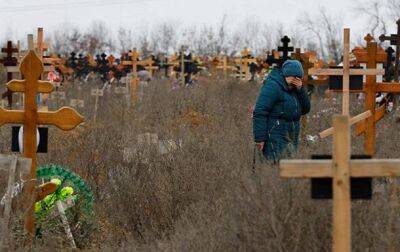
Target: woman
[{"x": 276, "y": 116}]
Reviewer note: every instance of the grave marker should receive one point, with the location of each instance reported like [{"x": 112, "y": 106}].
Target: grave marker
[
  {"x": 395, "y": 41},
  {"x": 9, "y": 61},
  {"x": 341, "y": 168},
  {"x": 346, "y": 72},
  {"x": 65, "y": 118}
]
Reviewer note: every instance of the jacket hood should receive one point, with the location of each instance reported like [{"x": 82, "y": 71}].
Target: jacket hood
[{"x": 277, "y": 76}]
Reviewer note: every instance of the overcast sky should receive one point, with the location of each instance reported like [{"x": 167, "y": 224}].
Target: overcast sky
[{"x": 19, "y": 17}]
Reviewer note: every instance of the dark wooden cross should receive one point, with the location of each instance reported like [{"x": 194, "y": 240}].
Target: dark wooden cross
[
  {"x": 9, "y": 60},
  {"x": 395, "y": 41},
  {"x": 389, "y": 64},
  {"x": 285, "y": 49}
]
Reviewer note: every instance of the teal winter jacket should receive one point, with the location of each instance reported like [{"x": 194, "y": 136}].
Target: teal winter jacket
[{"x": 276, "y": 116}]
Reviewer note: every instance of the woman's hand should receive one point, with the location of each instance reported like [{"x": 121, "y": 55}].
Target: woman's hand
[
  {"x": 260, "y": 146},
  {"x": 297, "y": 82}
]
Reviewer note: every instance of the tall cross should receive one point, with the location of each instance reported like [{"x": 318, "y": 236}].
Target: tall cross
[
  {"x": 65, "y": 118},
  {"x": 346, "y": 72},
  {"x": 134, "y": 81},
  {"x": 395, "y": 41},
  {"x": 389, "y": 64},
  {"x": 285, "y": 49},
  {"x": 371, "y": 56},
  {"x": 41, "y": 46},
  {"x": 341, "y": 169}
]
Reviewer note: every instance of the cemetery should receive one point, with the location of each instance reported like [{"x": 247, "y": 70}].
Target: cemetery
[{"x": 146, "y": 147}]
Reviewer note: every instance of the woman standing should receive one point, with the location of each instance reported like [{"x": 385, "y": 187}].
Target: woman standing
[{"x": 276, "y": 116}]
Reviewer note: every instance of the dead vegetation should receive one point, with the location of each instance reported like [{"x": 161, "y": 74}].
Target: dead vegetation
[{"x": 203, "y": 195}]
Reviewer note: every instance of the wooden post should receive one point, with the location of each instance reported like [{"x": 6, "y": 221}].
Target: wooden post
[
  {"x": 65, "y": 223},
  {"x": 66, "y": 118},
  {"x": 18, "y": 169},
  {"x": 346, "y": 73},
  {"x": 96, "y": 92},
  {"x": 183, "y": 66},
  {"x": 341, "y": 184}
]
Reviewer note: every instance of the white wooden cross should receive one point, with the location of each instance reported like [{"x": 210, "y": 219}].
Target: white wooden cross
[{"x": 96, "y": 92}]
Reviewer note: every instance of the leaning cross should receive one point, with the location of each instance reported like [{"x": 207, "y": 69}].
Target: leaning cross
[
  {"x": 341, "y": 169},
  {"x": 65, "y": 118},
  {"x": 395, "y": 41}
]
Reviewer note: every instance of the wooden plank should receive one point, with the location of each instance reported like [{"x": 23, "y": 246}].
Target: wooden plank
[
  {"x": 331, "y": 71},
  {"x": 15, "y": 69},
  {"x": 8, "y": 203},
  {"x": 353, "y": 120},
  {"x": 11, "y": 116},
  {"x": 361, "y": 125},
  {"x": 31, "y": 67},
  {"x": 346, "y": 73},
  {"x": 65, "y": 223},
  {"x": 341, "y": 184},
  {"x": 310, "y": 168},
  {"x": 19, "y": 86},
  {"x": 305, "y": 168},
  {"x": 64, "y": 118},
  {"x": 371, "y": 71},
  {"x": 387, "y": 87},
  {"x": 45, "y": 190},
  {"x": 370, "y": 100}
]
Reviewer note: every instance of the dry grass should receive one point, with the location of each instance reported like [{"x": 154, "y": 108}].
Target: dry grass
[{"x": 204, "y": 196}]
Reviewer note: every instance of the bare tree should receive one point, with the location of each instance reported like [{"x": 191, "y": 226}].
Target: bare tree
[
  {"x": 374, "y": 11},
  {"x": 125, "y": 39},
  {"x": 394, "y": 8},
  {"x": 325, "y": 29}
]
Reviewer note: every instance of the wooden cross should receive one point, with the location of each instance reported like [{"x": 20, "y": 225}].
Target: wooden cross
[
  {"x": 213, "y": 63},
  {"x": 134, "y": 80},
  {"x": 341, "y": 169},
  {"x": 9, "y": 61},
  {"x": 225, "y": 67},
  {"x": 395, "y": 41},
  {"x": 244, "y": 64},
  {"x": 345, "y": 72},
  {"x": 65, "y": 118},
  {"x": 97, "y": 92},
  {"x": 389, "y": 64},
  {"x": 149, "y": 62},
  {"x": 285, "y": 49},
  {"x": 372, "y": 56}
]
